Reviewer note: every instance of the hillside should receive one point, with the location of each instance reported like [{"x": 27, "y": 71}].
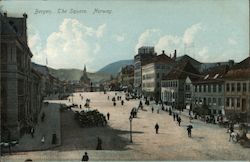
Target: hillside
[
  {"x": 69, "y": 74},
  {"x": 115, "y": 67}
]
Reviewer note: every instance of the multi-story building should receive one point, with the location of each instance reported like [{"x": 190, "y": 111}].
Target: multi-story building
[
  {"x": 144, "y": 54},
  {"x": 126, "y": 78},
  {"x": 152, "y": 73},
  {"x": 209, "y": 90},
  {"x": 15, "y": 76},
  {"x": 173, "y": 84},
  {"x": 237, "y": 91}
]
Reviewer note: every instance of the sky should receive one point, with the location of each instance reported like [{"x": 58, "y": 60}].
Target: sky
[{"x": 71, "y": 34}]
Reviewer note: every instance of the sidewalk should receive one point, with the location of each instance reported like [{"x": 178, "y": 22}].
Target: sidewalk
[{"x": 50, "y": 125}]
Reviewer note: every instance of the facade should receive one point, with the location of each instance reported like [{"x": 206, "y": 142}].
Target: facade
[
  {"x": 173, "y": 84},
  {"x": 144, "y": 54},
  {"x": 209, "y": 90},
  {"x": 237, "y": 91},
  {"x": 152, "y": 73},
  {"x": 15, "y": 76},
  {"x": 126, "y": 77}
]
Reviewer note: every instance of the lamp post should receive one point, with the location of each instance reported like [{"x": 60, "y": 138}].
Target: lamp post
[{"x": 130, "y": 120}]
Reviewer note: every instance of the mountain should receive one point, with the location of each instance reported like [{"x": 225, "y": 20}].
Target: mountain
[
  {"x": 115, "y": 67},
  {"x": 71, "y": 74}
]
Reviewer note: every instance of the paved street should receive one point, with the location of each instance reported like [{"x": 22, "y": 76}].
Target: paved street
[{"x": 208, "y": 142}]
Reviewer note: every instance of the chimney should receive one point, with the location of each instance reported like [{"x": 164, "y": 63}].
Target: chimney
[
  {"x": 175, "y": 53},
  {"x": 163, "y": 52},
  {"x": 25, "y": 15},
  {"x": 5, "y": 14}
]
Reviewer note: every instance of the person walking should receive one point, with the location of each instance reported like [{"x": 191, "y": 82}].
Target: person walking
[
  {"x": 85, "y": 157},
  {"x": 174, "y": 116},
  {"x": 122, "y": 102},
  {"x": 108, "y": 115},
  {"x": 179, "y": 121},
  {"x": 152, "y": 109},
  {"x": 189, "y": 130},
  {"x": 156, "y": 128},
  {"x": 32, "y": 131}
]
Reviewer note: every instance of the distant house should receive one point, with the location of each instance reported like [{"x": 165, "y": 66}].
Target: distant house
[
  {"x": 237, "y": 93},
  {"x": 173, "y": 84},
  {"x": 209, "y": 89},
  {"x": 152, "y": 72},
  {"x": 126, "y": 78}
]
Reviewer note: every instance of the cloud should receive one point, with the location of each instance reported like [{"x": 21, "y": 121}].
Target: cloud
[
  {"x": 147, "y": 38},
  {"x": 190, "y": 33},
  {"x": 119, "y": 38},
  {"x": 203, "y": 55},
  {"x": 73, "y": 45},
  {"x": 232, "y": 41},
  {"x": 168, "y": 42},
  {"x": 100, "y": 31}
]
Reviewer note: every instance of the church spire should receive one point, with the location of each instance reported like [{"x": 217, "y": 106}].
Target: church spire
[{"x": 85, "y": 68}]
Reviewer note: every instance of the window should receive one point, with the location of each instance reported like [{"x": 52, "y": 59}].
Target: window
[
  {"x": 238, "y": 87},
  {"x": 244, "y": 87},
  {"x": 214, "y": 87},
  {"x": 227, "y": 102},
  {"x": 209, "y": 101},
  {"x": 227, "y": 87},
  {"x": 199, "y": 88},
  {"x": 204, "y": 88},
  {"x": 195, "y": 88},
  {"x": 209, "y": 88},
  {"x": 238, "y": 102},
  {"x": 158, "y": 75},
  {"x": 220, "y": 88},
  {"x": 220, "y": 112},
  {"x": 158, "y": 84},
  {"x": 214, "y": 111},
  {"x": 214, "y": 101},
  {"x": 232, "y": 102},
  {"x": 219, "y": 102},
  {"x": 232, "y": 87}
]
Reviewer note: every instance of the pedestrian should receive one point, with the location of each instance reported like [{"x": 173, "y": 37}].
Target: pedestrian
[
  {"x": 179, "y": 121},
  {"x": 43, "y": 140},
  {"x": 177, "y": 116},
  {"x": 43, "y": 116},
  {"x": 32, "y": 130},
  {"x": 85, "y": 157},
  {"x": 156, "y": 128},
  {"x": 108, "y": 115},
  {"x": 189, "y": 130},
  {"x": 99, "y": 144},
  {"x": 122, "y": 102},
  {"x": 152, "y": 109},
  {"x": 174, "y": 116},
  {"x": 114, "y": 103}
]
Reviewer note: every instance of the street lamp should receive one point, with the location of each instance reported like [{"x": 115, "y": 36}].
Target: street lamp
[{"x": 130, "y": 120}]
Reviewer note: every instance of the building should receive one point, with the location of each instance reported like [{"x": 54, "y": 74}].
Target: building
[
  {"x": 85, "y": 82},
  {"x": 144, "y": 54},
  {"x": 126, "y": 78},
  {"x": 209, "y": 90},
  {"x": 15, "y": 77},
  {"x": 173, "y": 84},
  {"x": 237, "y": 92},
  {"x": 152, "y": 72}
]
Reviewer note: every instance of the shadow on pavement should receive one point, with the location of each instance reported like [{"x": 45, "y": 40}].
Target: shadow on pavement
[{"x": 76, "y": 138}]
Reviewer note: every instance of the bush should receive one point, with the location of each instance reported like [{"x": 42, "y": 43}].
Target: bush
[
  {"x": 202, "y": 111},
  {"x": 90, "y": 119}
]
